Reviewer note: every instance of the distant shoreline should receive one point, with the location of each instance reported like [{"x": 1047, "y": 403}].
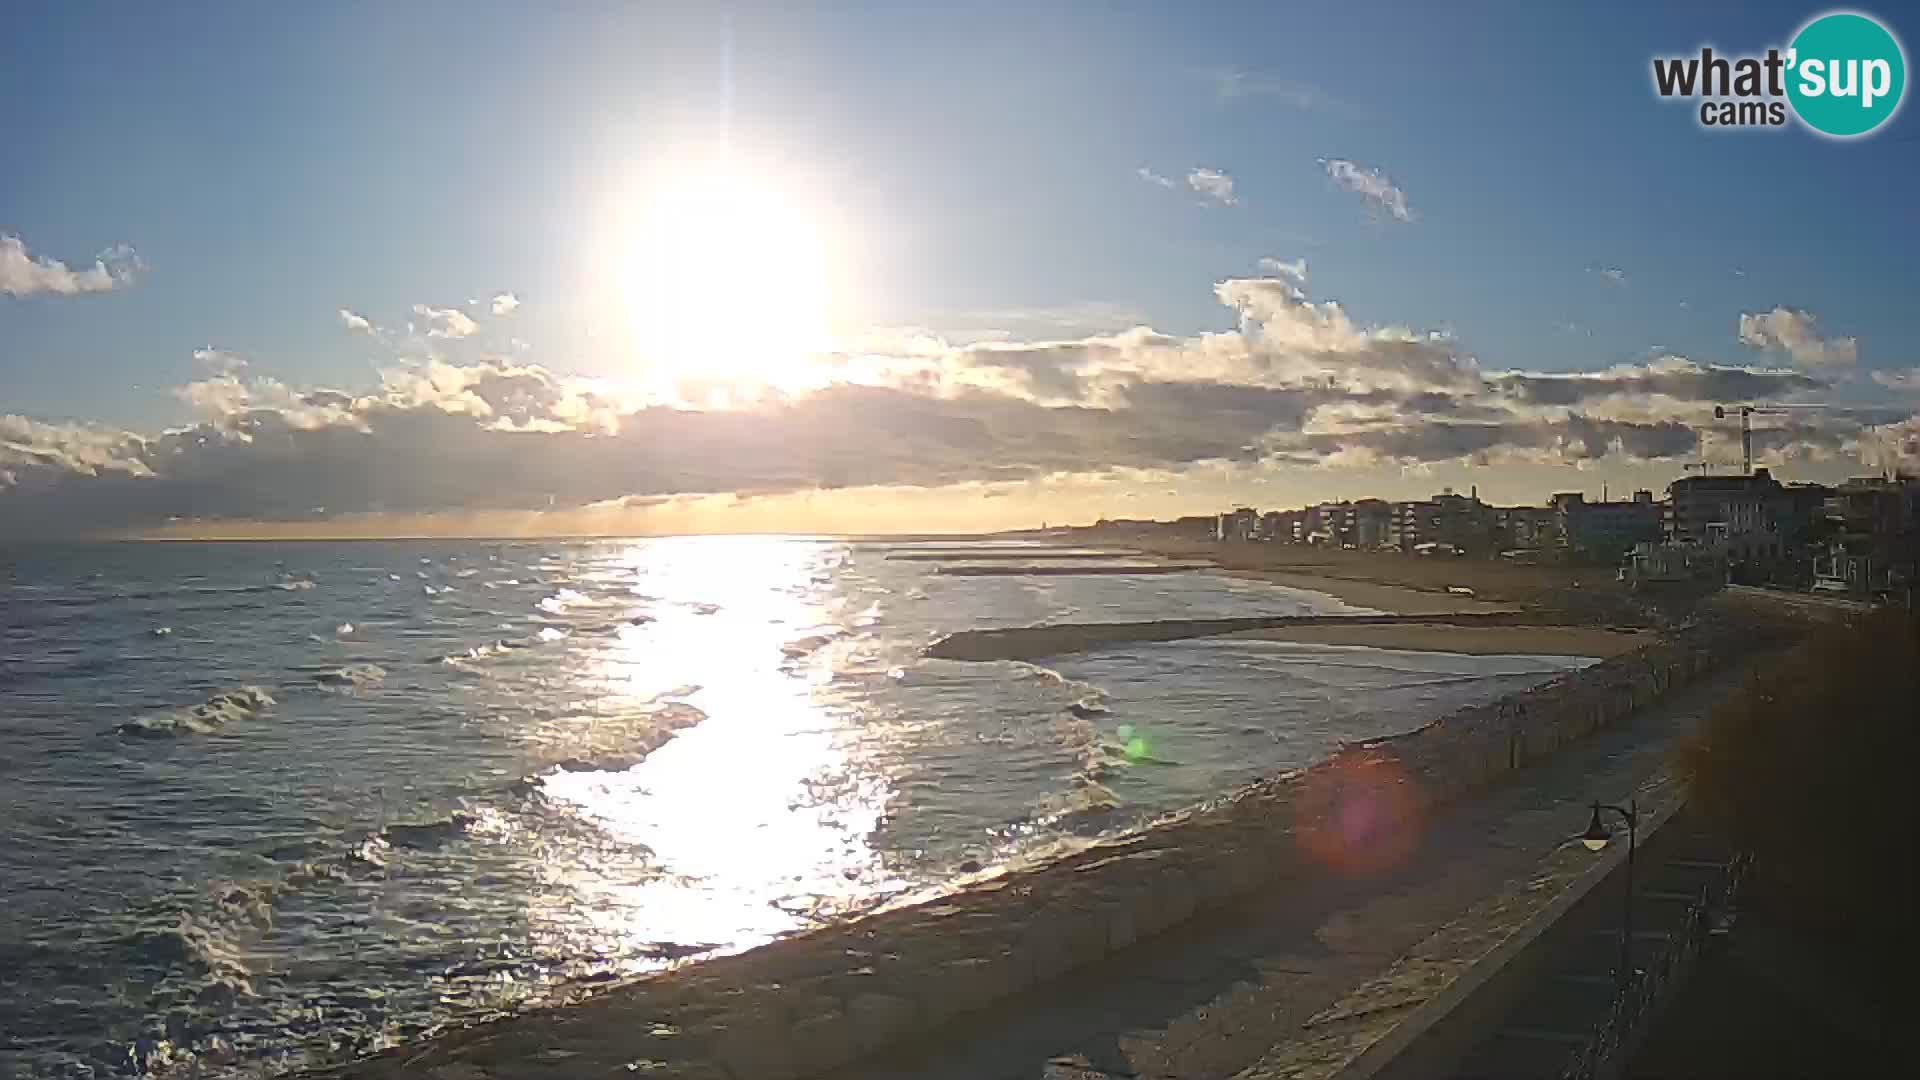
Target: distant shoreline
[{"x": 1395, "y": 599}]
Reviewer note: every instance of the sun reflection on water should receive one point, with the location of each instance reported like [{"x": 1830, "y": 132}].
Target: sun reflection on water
[{"x": 754, "y": 821}]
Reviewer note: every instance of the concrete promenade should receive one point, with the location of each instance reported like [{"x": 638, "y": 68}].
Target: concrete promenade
[{"x": 1231, "y": 994}]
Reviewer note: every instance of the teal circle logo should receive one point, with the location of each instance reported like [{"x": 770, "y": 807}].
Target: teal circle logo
[{"x": 1846, "y": 74}]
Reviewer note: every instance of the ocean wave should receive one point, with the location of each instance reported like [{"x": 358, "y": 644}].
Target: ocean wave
[
  {"x": 351, "y": 677},
  {"x": 806, "y": 646},
  {"x": 1087, "y": 804},
  {"x": 470, "y": 659},
  {"x": 211, "y": 967},
  {"x": 427, "y": 835},
  {"x": 664, "y": 722},
  {"x": 561, "y": 601},
  {"x": 1090, "y": 707},
  {"x": 205, "y": 718},
  {"x": 481, "y": 652}
]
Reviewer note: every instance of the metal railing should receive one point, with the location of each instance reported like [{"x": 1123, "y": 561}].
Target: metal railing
[{"x": 1646, "y": 989}]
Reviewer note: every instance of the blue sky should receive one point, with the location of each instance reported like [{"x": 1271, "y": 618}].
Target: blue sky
[{"x": 975, "y": 165}]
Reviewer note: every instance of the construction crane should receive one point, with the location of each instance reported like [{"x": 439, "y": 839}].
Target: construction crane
[{"x": 1746, "y": 424}]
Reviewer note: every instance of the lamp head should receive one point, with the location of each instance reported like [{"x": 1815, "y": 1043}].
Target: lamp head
[{"x": 1596, "y": 836}]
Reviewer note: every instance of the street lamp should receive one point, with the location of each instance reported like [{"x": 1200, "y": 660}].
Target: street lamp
[{"x": 1597, "y": 837}]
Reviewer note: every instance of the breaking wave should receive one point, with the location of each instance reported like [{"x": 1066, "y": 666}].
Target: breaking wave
[
  {"x": 206, "y": 718},
  {"x": 351, "y": 677}
]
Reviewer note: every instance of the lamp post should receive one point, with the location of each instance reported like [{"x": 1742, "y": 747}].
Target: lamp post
[{"x": 1597, "y": 837}]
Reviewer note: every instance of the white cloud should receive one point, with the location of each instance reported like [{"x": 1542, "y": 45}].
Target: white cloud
[
  {"x": 1238, "y": 85},
  {"x": 22, "y": 274},
  {"x": 1797, "y": 333},
  {"x": 1152, "y": 177},
  {"x": 1615, "y": 275},
  {"x": 1371, "y": 185},
  {"x": 219, "y": 361},
  {"x": 1899, "y": 380},
  {"x": 31, "y": 450},
  {"x": 355, "y": 322},
  {"x": 1297, "y": 269},
  {"x": 1213, "y": 184},
  {"x": 504, "y": 303},
  {"x": 446, "y": 322}
]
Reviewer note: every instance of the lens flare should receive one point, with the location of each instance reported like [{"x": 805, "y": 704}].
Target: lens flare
[{"x": 1359, "y": 814}]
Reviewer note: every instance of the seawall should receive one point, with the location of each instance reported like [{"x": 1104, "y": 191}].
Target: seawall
[{"x": 825, "y": 998}]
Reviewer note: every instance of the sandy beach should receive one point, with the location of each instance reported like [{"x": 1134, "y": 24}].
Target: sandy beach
[
  {"x": 1469, "y": 640},
  {"x": 1398, "y": 599}
]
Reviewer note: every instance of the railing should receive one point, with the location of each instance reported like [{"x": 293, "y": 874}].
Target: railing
[{"x": 1637, "y": 1000}]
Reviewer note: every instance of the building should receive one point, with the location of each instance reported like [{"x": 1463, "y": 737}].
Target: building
[
  {"x": 1872, "y": 538},
  {"x": 1276, "y": 528},
  {"x": 1198, "y": 525},
  {"x": 1651, "y": 564},
  {"x": 1242, "y": 524},
  {"x": 1370, "y": 519},
  {"x": 1763, "y": 527},
  {"x": 1605, "y": 531},
  {"x": 1411, "y": 523},
  {"x": 1459, "y": 523},
  {"x": 1527, "y": 528}
]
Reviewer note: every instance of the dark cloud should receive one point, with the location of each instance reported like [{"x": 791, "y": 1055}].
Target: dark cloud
[
  {"x": 1680, "y": 380},
  {"x": 1574, "y": 438},
  {"x": 1298, "y": 383}
]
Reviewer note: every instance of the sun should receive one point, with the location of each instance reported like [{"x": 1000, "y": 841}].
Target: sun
[{"x": 726, "y": 282}]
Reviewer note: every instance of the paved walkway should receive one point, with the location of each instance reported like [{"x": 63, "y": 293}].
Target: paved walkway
[{"x": 1222, "y": 994}]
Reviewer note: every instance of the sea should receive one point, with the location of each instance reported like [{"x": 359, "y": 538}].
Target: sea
[{"x": 271, "y": 805}]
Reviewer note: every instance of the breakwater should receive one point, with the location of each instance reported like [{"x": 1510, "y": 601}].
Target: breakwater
[
  {"x": 822, "y": 999},
  {"x": 1033, "y": 642},
  {"x": 1064, "y": 571}
]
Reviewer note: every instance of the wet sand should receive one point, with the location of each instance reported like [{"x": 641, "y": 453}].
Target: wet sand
[{"x": 1470, "y": 640}]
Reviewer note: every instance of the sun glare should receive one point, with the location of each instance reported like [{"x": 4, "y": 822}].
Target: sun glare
[{"x": 727, "y": 282}]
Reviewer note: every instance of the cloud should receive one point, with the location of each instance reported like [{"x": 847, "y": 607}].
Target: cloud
[
  {"x": 504, "y": 303},
  {"x": 1674, "y": 379},
  {"x": 22, "y": 274},
  {"x": 1235, "y": 84},
  {"x": 1297, "y": 269},
  {"x": 219, "y": 361},
  {"x": 36, "y": 453},
  {"x": 1152, "y": 177},
  {"x": 1796, "y": 333},
  {"x": 1214, "y": 185},
  {"x": 1371, "y": 185},
  {"x": 1899, "y": 380},
  {"x": 446, "y": 322},
  {"x": 1614, "y": 275},
  {"x": 1295, "y": 383},
  {"x": 1895, "y": 445},
  {"x": 355, "y": 322}
]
